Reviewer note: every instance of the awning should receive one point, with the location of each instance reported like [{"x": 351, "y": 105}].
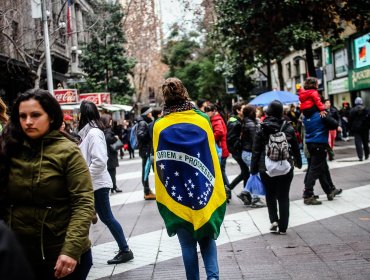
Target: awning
[
  {"x": 116, "y": 107},
  {"x": 70, "y": 106}
]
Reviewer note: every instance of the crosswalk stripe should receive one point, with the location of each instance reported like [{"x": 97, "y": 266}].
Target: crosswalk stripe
[
  {"x": 136, "y": 196},
  {"x": 156, "y": 246}
]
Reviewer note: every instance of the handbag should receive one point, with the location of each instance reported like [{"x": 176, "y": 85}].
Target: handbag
[
  {"x": 255, "y": 186},
  {"x": 117, "y": 145}
]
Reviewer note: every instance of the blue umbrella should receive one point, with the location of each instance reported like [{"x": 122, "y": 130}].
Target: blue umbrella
[{"x": 284, "y": 97}]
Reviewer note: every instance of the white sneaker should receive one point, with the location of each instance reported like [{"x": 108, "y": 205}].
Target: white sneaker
[{"x": 274, "y": 227}]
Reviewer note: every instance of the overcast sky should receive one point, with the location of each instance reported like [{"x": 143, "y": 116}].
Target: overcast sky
[{"x": 172, "y": 11}]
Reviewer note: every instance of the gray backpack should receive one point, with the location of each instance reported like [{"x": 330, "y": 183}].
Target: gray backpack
[{"x": 277, "y": 148}]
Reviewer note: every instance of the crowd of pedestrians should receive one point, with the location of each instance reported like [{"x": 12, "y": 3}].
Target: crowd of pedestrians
[{"x": 56, "y": 180}]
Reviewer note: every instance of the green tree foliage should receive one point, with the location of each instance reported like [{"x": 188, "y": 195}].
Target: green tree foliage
[
  {"x": 194, "y": 65},
  {"x": 103, "y": 59},
  {"x": 260, "y": 30}
]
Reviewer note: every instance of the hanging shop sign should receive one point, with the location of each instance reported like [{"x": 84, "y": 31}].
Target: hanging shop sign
[
  {"x": 359, "y": 78},
  {"x": 338, "y": 86},
  {"x": 98, "y": 97},
  {"x": 66, "y": 96}
]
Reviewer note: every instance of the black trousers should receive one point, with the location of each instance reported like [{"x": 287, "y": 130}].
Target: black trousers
[
  {"x": 144, "y": 182},
  {"x": 112, "y": 173},
  {"x": 277, "y": 192},
  {"x": 244, "y": 172},
  {"x": 318, "y": 169},
  {"x": 362, "y": 139}
]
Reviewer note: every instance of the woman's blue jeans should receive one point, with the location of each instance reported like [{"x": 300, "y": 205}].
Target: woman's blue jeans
[
  {"x": 103, "y": 209},
  {"x": 208, "y": 250}
]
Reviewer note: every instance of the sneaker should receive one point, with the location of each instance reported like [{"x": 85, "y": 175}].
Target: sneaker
[
  {"x": 274, "y": 227},
  {"x": 334, "y": 193},
  {"x": 245, "y": 197},
  {"x": 257, "y": 203},
  {"x": 282, "y": 232},
  {"x": 316, "y": 196},
  {"x": 311, "y": 201},
  {"x": 149, "y": 196},
  {"x": 122, "y": 257}
]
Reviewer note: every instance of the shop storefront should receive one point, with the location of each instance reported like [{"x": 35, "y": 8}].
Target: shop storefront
[
  {"x": 339, "y": 91},
  {"x": 359, "y": 83}
]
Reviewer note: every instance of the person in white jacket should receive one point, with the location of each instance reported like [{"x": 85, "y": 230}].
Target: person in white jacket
[{"x": 94, "y": 149}]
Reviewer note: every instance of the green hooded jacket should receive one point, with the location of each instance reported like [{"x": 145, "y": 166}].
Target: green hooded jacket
[{"x": 50, "y": 198}]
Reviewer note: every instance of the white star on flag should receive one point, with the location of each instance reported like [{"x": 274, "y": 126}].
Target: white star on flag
[
  {"x": 198, "y": 154},
  {"x": 190, "y": 194},
  {"x": 196, "y": 173},
  {"x": 176, "y": 173},
  {"x": 173, "y": 193},
  {"x": 179, "y": 198},
  {"x": 161, "y": 166}
]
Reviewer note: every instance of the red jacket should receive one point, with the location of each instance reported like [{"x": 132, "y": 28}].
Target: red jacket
[
  {"x": 309, "y": 98},
  {"x": 220, "y": 131}
]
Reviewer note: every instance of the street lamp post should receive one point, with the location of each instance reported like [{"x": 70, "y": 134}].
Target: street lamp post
[{"x": 49, "y": 73}]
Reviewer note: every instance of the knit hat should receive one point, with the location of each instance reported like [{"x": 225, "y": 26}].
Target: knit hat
[
  {"x": 275, "y": 109},
  {"x": 145, "y": 110},
  {"x": 358, "y": 101}
]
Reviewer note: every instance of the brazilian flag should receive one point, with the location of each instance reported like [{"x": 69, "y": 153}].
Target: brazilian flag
[{"x": 188, "y": 181}]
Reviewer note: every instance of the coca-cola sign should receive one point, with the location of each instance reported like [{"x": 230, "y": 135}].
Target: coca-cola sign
[
  {"x": 98, "y": 98},
  {"x": 65, "y": 96}
]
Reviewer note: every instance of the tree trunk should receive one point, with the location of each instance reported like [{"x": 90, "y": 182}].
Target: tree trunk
[
  {"x": 309, "y": 60},
  {"x": 280, "y": 74},
  {"x": 38, "y": 74},
  {"x": 269, "y": 76}
]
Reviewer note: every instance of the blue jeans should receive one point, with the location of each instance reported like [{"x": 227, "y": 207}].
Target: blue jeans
[
  {"x": 208, "y": 250},
  {"x": 103, "y": 209}
]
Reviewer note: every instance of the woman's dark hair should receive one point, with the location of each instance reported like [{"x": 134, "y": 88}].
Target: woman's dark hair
[
  {"x": 237, "y": 107},
  {"x": 13, "y": 134},
  {"x": 89, "y": 114},
  {"x": 48, "y": 103},
  {"x": 250, "y": 112},
  {"x": 105, "y": 119},
  {"x": 275, "y": 109}
]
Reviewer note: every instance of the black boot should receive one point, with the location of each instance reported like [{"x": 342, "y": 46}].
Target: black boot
[
  {"x": 122, "y": 257},
  {"x": 117, "y": 190}
]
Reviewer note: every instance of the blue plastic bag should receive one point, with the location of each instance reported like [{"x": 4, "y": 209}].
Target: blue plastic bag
[
  {"x": 255, "y": 186},
  {"x": 219, "y": 152}
]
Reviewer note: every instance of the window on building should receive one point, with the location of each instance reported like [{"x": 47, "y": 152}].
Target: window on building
[
  {"x": 289, "y": 69},
  {"x": 297, "y": 68}
]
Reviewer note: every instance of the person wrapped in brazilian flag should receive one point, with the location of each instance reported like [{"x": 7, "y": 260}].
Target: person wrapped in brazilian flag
[{"x": 190, "y": 191}]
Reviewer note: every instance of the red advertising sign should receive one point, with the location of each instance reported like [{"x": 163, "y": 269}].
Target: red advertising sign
[
  {"x": 66, "y": 96},
  {"x": 98, "y": 98}
]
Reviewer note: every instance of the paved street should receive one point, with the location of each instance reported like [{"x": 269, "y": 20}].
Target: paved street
[{"x": 330, "y": 241}]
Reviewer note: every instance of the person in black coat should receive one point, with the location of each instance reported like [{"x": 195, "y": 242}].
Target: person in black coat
[
  {"x": 359, "y": 125},
  {"x": 112, "y": 162},
  {"x": 233, "y": 140},
  {"x": 145, "y": 146},
  {"x": 277, "y": 188}
]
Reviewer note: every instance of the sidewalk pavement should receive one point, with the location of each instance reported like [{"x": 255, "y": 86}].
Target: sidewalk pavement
[{"x": 328, "y": 241}]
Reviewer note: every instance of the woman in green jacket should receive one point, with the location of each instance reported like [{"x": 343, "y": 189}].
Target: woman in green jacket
[{"x": 47, "y": 190}]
